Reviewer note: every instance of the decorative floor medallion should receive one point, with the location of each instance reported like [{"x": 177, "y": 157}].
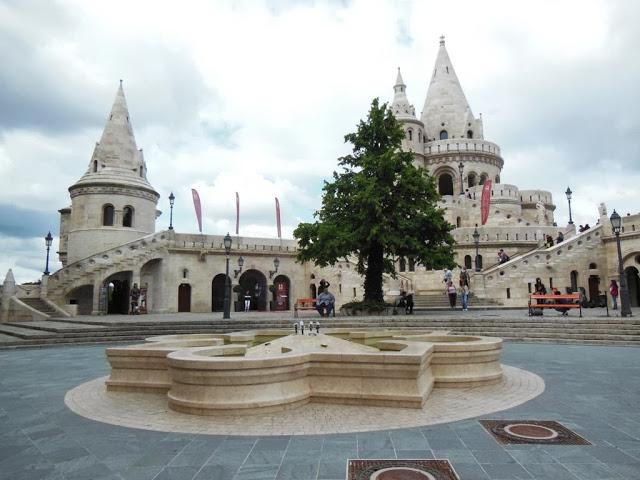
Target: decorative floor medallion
[
  {"x": 400, "y": 470},
  {"x": 544, "y": 432}
]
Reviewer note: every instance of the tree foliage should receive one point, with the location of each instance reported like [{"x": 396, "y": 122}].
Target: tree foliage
[{"x": 380, "y": 207}]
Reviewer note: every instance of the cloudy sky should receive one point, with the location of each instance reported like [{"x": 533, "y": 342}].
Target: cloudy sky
[{"x": 256, "y": 96}]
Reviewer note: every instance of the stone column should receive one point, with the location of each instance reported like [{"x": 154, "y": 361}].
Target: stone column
[{"x": 97, "y": 286}]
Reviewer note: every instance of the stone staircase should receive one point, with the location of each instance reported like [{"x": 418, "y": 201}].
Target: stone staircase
[
  {"x": 438, "y": 300},
  {"x": 103, "y": 264},
  {"x": 517, "y": 326},
  {"x": 558, "y": 261},
  {"x": 41, "y": 306}
]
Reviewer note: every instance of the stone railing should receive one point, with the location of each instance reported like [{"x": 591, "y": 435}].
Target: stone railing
[{"x": 462, "y": 145}]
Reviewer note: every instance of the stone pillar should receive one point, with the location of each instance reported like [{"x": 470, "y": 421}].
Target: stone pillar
[
  {"x": 97, "y": 287},
  {"x": 9, "y": 289}
]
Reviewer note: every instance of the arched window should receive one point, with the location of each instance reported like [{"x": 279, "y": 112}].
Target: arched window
[
  {"x": 95, "y": 165},
  {"x": 483, "y": 178},
  {"x": 403, "y": 264},
  {"x": 472, "y": 180},
  {"x": 185, "y": 273},
  {"x": 458, "y": 222},
  {"x": 593, "y": 266},
  {"x": 445, "y": 184},
  {"x": 410, "y": 134},
  {"x": 419, "y": 136},
  {"x": 467, "y": 261},
  {"x": 497, "y": 178},
  {"x": 443, "y": 135},
  {"x": 469, "y": 133},
  {"x": 141, "y": 172},
  {"x": 412, "y": 264},
  {"x": 107, "y": 215},
  {"x": 127, "y": 216},
  {"x": 479, "y": 262}
]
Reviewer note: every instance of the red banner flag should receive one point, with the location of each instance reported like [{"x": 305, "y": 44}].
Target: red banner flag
[
  {"x": 237, "y": 214},
  {"x": 278, "y": 218},
  {"x": 485, "y": 202},
  {"x": 198, "y": 207}
]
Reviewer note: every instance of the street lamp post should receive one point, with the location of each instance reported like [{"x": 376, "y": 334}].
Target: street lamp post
[
  {"x": 48, "y": 240},
  {"x": 227, "y": 280},
  {"x": 172, "y": 199},
  {"x": 276, "y": 263},
  {"x": 616, "y": 226},
  {"x": 461, "y": 169},
  {"x": 568, "y": 194},
  {"x": 240, "y": 264},
  {"x": 476, "y": 240}
]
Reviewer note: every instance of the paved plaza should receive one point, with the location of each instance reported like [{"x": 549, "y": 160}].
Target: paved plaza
[{"x": 591, "y": 390}]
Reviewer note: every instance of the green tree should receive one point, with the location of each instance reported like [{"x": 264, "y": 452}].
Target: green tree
[{"x": 379, "y": 208}]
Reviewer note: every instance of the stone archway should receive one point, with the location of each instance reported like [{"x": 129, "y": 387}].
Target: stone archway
[
  {"x": 81, "y": 296},
  {"x": 281, "y": 293},
  {"x": 255, "y": 283},
  {"x": 633, "y": 285},
  {"x": 445, "y": 184},
  {"x": 217, "y": 293},
  {"x": 117, "y": 291}
]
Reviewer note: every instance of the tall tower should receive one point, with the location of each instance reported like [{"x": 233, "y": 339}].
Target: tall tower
[
  {"x": 113, "y": 202},
  {"x": 454, "y": 136},
  {"x": 405, "y": 113}
]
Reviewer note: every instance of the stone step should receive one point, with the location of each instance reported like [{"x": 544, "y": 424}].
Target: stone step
[{"x": 40, "y": 305}]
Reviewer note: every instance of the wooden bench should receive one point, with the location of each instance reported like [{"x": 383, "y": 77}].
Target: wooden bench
[
  {"x": 303, "y": 304},
  {"x": 552, "y": 301}
]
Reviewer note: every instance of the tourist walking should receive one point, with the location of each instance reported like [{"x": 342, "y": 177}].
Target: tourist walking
[
  {"x": 613, "y": 290},
  {"x": 464, "y": 297},
  {"x": 452, "y": 292}
]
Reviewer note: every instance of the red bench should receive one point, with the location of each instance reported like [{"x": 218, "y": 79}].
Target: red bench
[
  {"x": 570, "y": 300},
  {"x": 303, "y": 304}
]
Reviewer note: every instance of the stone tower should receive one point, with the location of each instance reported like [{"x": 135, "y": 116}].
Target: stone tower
[
  {"x": 113, "y": 202},
  {"x": 405, "y": 113},
  {"x": 454, "y": 135}
]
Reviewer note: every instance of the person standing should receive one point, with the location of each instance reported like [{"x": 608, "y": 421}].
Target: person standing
[
  {"x": 247, "y": 301},
  {"x": 135, "y": 295},
  {"x": 452, "y": 292},
  {"x": 614, "y": 291},
  {"x": 323, "y": 286},
  {"x": 464, "y": 297},
  {"x": 325, "y": 303}
]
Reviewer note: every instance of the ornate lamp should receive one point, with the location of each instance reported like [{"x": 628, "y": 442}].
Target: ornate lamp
[
  {"x": 227, "y": 281},
  {"x": 616, "y": 227},
  {"x": 48, "y": 240},
  {"x": 476, "y": 240},
  {"x": 172, "y": 199},
  {"x": 276, "y": 263}
]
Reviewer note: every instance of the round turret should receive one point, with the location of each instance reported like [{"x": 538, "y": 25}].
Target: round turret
[{"x": 113, "y": 202}]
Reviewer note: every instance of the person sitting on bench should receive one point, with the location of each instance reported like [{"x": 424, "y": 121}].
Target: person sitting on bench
[{"x": 325, "y": 303}]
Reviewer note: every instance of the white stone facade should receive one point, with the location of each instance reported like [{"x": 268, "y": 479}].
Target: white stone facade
[{"x": 108, "y": 238}]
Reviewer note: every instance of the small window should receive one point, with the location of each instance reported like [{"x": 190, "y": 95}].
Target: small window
[
  {"x": 185, "y": 273},
  {"x": 498, "y": 181},
  {"x": 483, "y": 178},
  {"x": 467, "y": 261},
  {"x": 469, "y": 133},
  {"x": 419, "y": 136},
  {"x": 593, "y": 266},
  {"x": 412, "y": 265},
  {"x": 410, "y": 134},
  {"x": 127, "y": 217},
  {"x": 443, "y": 135},
  {"x": 403, "y": 264},
  {"x": 95, "y": 165},
  {"x": 107, "y": 215},
  {"x": 458, "y": 222}
]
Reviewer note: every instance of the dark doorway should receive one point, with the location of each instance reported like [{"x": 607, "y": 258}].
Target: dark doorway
[
  {"x": 184, "y": 297},
  {"x": 633, "y": 284},
  {"x": 313, "y": 290},
  {"x": 445, "y": 184},
  {"x": 281, "y": 288},
  {"x": 255, "y": 283},
  {"x": 594, "y": 290},
  {"x": 118, "y": 297},
  {"x": 217, "y": 293},
  {"x": 574, "y": 281}
]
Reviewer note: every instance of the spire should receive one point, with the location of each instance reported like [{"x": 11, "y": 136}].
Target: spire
[
  {"x": 116, "y": 156},
  {"x": 9, "y": 285},
  {"x": 446, "y": 103},
  {"x": 400, "y": 106}
]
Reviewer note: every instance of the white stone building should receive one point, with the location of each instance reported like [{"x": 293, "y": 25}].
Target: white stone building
[{"x": 108, "y": 237}]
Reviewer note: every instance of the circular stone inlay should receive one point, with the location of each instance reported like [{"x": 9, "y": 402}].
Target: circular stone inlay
[
  {"x": 151, "y": 412},
  {"x": 401, "y": 473},
  {"x": 528, "y": 430}
]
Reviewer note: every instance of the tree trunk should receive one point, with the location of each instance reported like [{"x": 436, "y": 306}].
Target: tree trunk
[{"x": 373, "y": 277}]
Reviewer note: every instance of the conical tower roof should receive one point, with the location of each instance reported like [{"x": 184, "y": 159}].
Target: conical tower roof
[
  {"x": 446, "y": 107},
  {"x": 116, "y": 158},
  {"x": 400, "y": 106}
]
